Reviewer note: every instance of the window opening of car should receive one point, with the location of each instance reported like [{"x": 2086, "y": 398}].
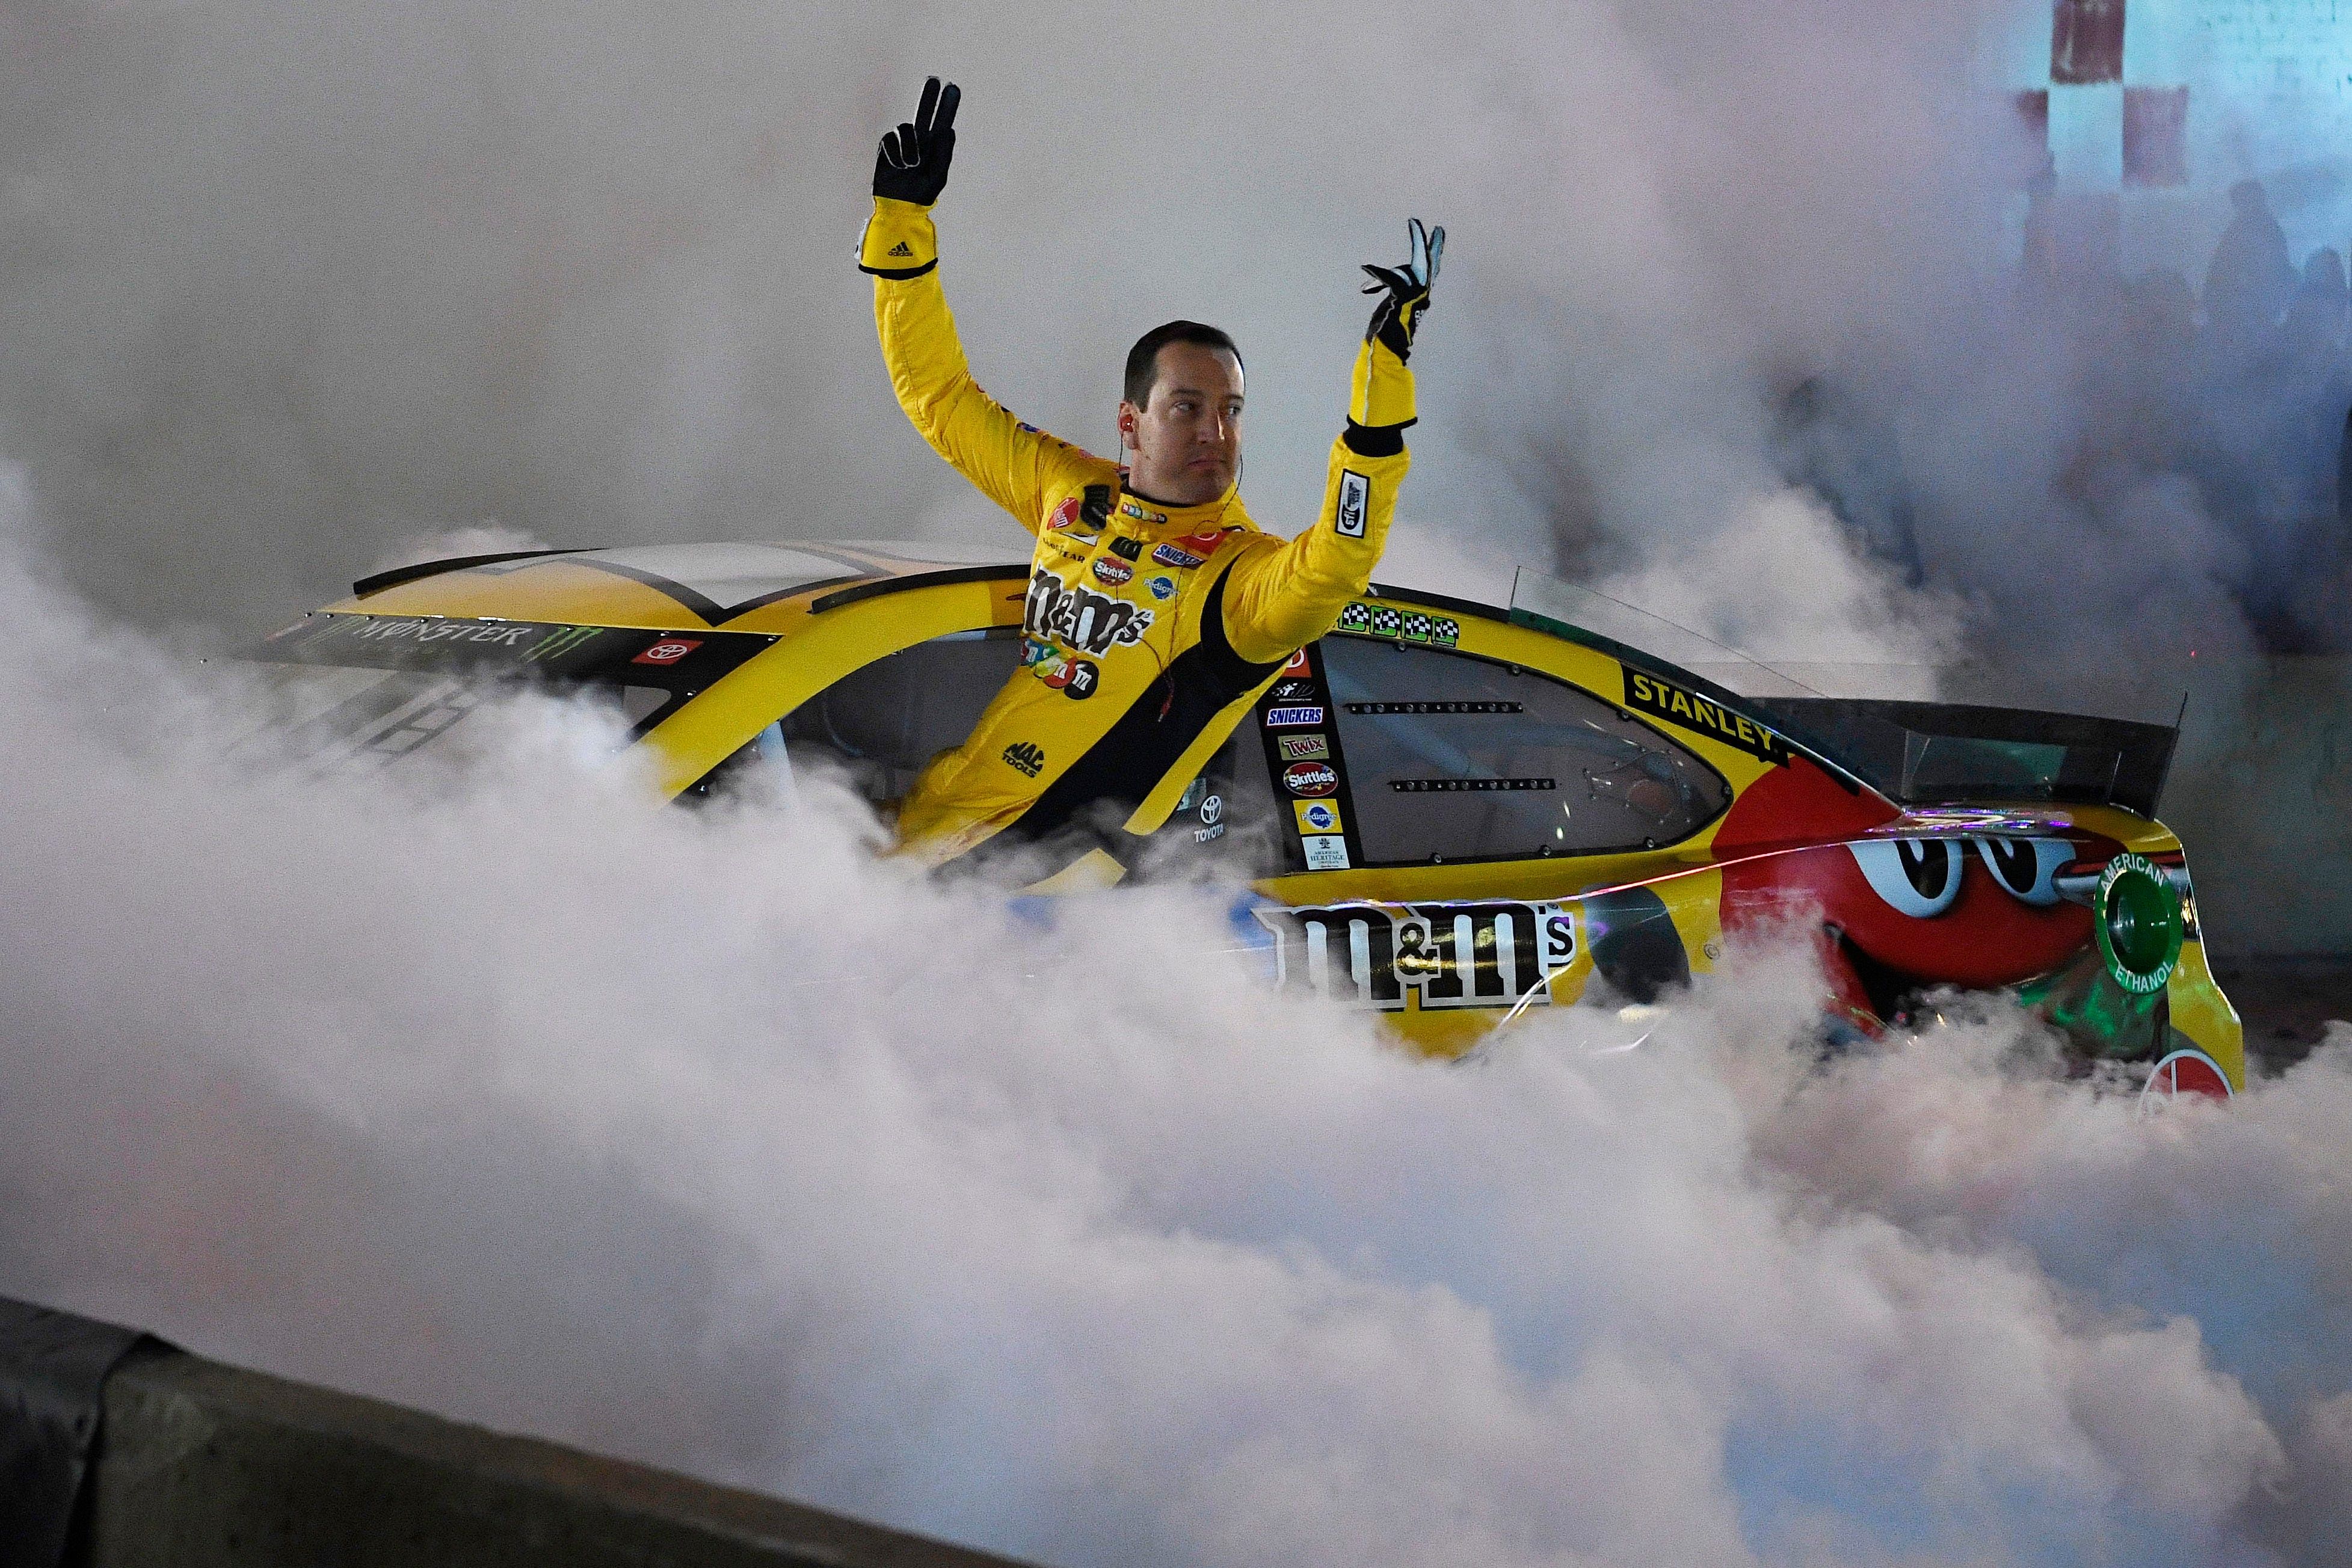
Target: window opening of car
[
  {"x": 880, "y": 725},
  {"x": 1449, "y": 756}
]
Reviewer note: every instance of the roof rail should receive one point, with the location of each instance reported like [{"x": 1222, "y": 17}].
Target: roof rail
[{"x": 378, "y": 581}]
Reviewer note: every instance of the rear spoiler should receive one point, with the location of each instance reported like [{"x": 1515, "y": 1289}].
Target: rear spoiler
[{"x": 1922, "y": 754}]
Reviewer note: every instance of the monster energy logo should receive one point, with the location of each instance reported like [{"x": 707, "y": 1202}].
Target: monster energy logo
[{"x": 564, "y": 642}]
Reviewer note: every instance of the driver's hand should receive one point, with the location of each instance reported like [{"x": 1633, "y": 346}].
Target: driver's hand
[
  {"x": 911, "y": 165},
  {"x": 1380, "y": 396},
  {"x": 910, "y": 169},
  {"x": 1403, "y": 290}
]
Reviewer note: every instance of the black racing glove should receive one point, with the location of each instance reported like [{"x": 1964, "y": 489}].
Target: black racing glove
[
  {"x": 1381, "y": 392},
  {"x": 1405, "y": 291},
  {"x": 911, "y": 165}
]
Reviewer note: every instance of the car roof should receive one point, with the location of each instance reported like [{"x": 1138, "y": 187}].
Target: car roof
[
  {"x": 745, "y": 586},
  {"x": 742, "y": 586},
  {"x": 775, "y": 586}
]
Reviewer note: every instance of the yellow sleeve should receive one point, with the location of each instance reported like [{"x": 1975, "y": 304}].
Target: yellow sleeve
[
  {"x": 1016, "y": 466},
  {"x": 1279, "y": 600}
]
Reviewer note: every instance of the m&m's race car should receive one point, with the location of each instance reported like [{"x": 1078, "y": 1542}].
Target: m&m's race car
[{"x": 1445, "y": 813}]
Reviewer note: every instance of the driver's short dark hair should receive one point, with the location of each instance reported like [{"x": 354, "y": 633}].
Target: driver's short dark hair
[{"x": 1143, "y": 359}]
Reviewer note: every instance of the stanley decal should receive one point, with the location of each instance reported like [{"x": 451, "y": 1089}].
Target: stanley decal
[{"x": 1661, "y": 699}]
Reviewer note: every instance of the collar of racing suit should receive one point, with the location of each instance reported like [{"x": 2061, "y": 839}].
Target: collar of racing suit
[{"x": 1195, "y": 519}]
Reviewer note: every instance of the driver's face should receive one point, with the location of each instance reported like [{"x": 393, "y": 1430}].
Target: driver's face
[{"x": 1184, "y": 446}]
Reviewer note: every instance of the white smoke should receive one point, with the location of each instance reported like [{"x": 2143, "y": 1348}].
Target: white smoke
[
  {"x": 287, "y": 283},
  {"x": 710, "y": 1140},
  {"x": 715, "y": 1142}
]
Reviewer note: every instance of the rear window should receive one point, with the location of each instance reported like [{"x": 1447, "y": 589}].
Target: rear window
[
  {"x": 360, "y": 688},
  {"x": 1949, "y": 753}
]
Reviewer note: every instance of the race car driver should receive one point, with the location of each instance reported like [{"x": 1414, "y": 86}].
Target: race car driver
[{"x": 1157, "y": 609}]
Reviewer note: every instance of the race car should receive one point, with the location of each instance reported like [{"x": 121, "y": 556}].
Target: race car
[{"x": 1445, "y": 813}]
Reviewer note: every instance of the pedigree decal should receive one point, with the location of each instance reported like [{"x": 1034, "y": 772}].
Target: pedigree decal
[{"x": 1662, "y": 699}]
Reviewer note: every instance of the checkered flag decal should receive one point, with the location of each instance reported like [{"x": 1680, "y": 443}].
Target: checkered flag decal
[
  {"x": 1388, "y": 624},
  {"x": 1356, "y": 618},
  {"x": 1416, "y": 627},
  {"x": 1444, "y": 633}
]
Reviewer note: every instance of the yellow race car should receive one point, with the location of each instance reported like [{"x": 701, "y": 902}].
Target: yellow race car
[{"x": 1446, "y": 811}]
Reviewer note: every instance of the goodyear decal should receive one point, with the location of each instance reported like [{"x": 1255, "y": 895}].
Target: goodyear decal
[
  {"x": 1663, "y": 699},
  {"x": 1484, "y": 954}
]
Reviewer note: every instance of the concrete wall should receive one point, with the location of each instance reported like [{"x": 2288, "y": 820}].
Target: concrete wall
[
  {"x": 2260, "y": 795},
  {"x": 201, "y": 1465}
]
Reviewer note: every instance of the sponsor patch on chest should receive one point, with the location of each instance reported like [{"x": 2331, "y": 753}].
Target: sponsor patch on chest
[{"x": 1079, "y": 618}]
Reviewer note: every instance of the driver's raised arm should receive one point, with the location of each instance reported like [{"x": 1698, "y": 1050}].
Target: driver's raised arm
[
  {"x": 1013, "y": 464},
  {"x": 1279, "y": 600}
]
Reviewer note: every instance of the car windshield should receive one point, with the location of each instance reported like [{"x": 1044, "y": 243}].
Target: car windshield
[{"x": 346, "y": 690}]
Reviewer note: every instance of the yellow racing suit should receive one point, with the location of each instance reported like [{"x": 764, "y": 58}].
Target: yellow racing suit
[{"x": 1149, "y": 629}]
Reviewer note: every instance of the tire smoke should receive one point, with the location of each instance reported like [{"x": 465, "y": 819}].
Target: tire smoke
[
  {"x": 716, "y": 1142},
  {"x": 710, "y": 1140}
]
